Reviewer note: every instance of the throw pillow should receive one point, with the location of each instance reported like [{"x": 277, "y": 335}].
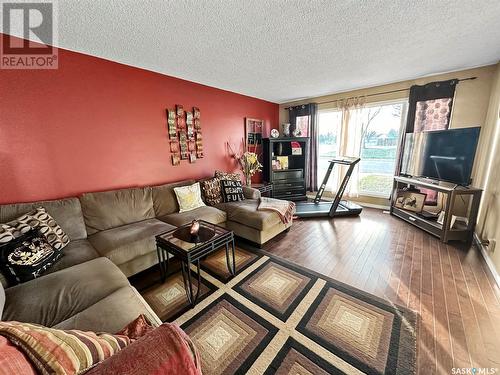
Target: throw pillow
[
  {"x": 232, "y": 191},
  {"x": 40, "y": 219},
  {"x": 27, "y": 257},
  {"x": 189, "y": 197},
  {"x": 6, "y": 233},
  {"x": 165, "y": 350},
  {"x": 136, "y": 328},
  {"x": 212, "y": 191},
  {"x": 13, "y": 360},
  {"x": 56, "y": 351},
  {"x": 228, "y": 176}
]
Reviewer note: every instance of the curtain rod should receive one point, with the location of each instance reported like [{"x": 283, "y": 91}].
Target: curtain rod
[{"x": 381, "y": 93}]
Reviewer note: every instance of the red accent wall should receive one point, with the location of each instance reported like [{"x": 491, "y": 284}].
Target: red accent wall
[{"x": 97, "y": 125}]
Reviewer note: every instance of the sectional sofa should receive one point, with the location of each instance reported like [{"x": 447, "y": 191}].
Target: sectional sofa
[{"x": 113, "y": 237}]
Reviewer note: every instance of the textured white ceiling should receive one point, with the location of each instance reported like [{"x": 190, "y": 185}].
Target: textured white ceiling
[{"x": 282, "y": 50}]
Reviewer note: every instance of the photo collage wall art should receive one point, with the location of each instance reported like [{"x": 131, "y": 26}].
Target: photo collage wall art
[{"x": 184, "y": 132}]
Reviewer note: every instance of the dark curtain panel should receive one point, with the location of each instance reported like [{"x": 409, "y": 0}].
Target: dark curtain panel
[
  {"x": 311, "y": 111},
  {"x": 298, "y": 111},
  {"x": 312, "y": 169},
  {"x": 423, "y": 97},
  {"x": 429, "y": 108}
]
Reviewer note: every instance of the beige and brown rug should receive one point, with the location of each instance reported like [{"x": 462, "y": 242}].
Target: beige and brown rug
[{"x": 275, "y": 317}]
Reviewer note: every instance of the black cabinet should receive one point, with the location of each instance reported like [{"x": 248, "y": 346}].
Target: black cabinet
[{"x": 285, "y": 165}]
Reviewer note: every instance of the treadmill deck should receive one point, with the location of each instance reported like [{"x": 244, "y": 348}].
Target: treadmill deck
[{"x": 311, "y": 209}]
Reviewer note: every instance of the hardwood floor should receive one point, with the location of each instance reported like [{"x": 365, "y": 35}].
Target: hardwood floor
[{"x": 448, "y": 284}]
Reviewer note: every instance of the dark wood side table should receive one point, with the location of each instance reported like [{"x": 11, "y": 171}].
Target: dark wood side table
[
  {"x": 265, "y": 188},
  {"x": 176, "y": 242}
]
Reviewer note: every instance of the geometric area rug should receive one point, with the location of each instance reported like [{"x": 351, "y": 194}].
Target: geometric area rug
[{"x": 275, "y": 317}]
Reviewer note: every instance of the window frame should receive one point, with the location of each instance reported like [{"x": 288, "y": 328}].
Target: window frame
[{"x": 404, "y": 114}]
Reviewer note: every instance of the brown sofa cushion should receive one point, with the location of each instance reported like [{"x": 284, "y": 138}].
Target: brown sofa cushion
[
  {"x": 111, "y": 313},
  {"x": 58, "y": 296},
  {"x": 75, "y": 252},
  {"x": 164, "y": 199},
  {"x": 211, "y": 214},
  {"x": 130, "y": 241},
  {"x": 245, "y": 212},
  {"x": 111, "y": 209},
  {"x": 66, "y": 212}
]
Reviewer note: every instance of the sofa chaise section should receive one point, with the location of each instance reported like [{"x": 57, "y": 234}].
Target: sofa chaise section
[{"x": 246, "y": 221}]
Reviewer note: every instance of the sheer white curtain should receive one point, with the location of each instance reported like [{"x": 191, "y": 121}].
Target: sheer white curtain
[{"x": 351, "y": 138}]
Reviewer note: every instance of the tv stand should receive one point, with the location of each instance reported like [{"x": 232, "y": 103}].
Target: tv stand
[{"x": 444, "y": 232}]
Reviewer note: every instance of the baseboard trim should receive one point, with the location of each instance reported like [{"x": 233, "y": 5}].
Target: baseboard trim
[{"x": 487, "y": 259}]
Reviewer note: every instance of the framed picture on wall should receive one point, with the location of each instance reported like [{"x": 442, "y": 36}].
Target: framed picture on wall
[
  {"x": 302, "y": 126},
  {"x": 253, "y": 135}
]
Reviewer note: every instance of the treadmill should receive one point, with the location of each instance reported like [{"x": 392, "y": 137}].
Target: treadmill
[{"x": 339, "y": 207}]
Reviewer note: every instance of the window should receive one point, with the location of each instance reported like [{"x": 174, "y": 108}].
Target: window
[
  {"x": 375, "y": 141},
  {"x": 381, "y": 125},
  {"x": 329, "y": 127}
]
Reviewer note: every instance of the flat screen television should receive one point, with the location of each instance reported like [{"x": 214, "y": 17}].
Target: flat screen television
[{"x": 444, "y": 155}]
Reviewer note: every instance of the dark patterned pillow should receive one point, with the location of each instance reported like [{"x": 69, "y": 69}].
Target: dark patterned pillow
[
  {"x": 227, "y": 176},
  {"x": 212, "y": 192},
  {"x": 232, "y": 191},
  {"x": 27, "y": 257},
  {"x": 6, "y": 233},
  {"x": 41, "y": 220}
]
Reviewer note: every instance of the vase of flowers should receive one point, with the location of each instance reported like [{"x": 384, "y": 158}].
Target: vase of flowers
[{"x": 249, "y": 164}]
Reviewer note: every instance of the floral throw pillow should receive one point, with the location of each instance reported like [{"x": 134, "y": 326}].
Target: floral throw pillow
[
  {"x": 189, "y": 197},
  {"x": 212, "y": 191},
  {"x": 228, "y": 176}
]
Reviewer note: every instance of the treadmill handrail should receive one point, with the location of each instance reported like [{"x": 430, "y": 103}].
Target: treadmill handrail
[{"x": 345, "y": 160}]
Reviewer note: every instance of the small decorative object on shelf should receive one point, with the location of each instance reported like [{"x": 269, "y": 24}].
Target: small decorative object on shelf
[
  {"x": 296, "y": 148},
  {"x": 275, "y": 133},
  {"x": 410, "y": 200},
  {"x": 285, "y": 130},
  {"x": 248, "y": 162},
  {"x": 296, "y": 132}
]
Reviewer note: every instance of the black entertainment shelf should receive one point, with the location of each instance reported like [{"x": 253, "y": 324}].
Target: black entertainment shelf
[{"x": 288, "y": 178}]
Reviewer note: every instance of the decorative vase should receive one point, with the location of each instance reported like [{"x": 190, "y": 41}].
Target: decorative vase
[
  {"x": 248, "y": 180},
  {"x": 285, "y": 129}
]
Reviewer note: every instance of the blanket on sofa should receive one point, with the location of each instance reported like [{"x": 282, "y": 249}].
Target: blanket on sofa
[{"x": 285, "y": 209}]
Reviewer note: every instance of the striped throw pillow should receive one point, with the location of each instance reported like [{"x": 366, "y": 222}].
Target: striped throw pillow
[{"x": 55, "y": 351}]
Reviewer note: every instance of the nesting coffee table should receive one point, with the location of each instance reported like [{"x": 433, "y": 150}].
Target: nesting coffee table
[{"x": 179, "y": 243}]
